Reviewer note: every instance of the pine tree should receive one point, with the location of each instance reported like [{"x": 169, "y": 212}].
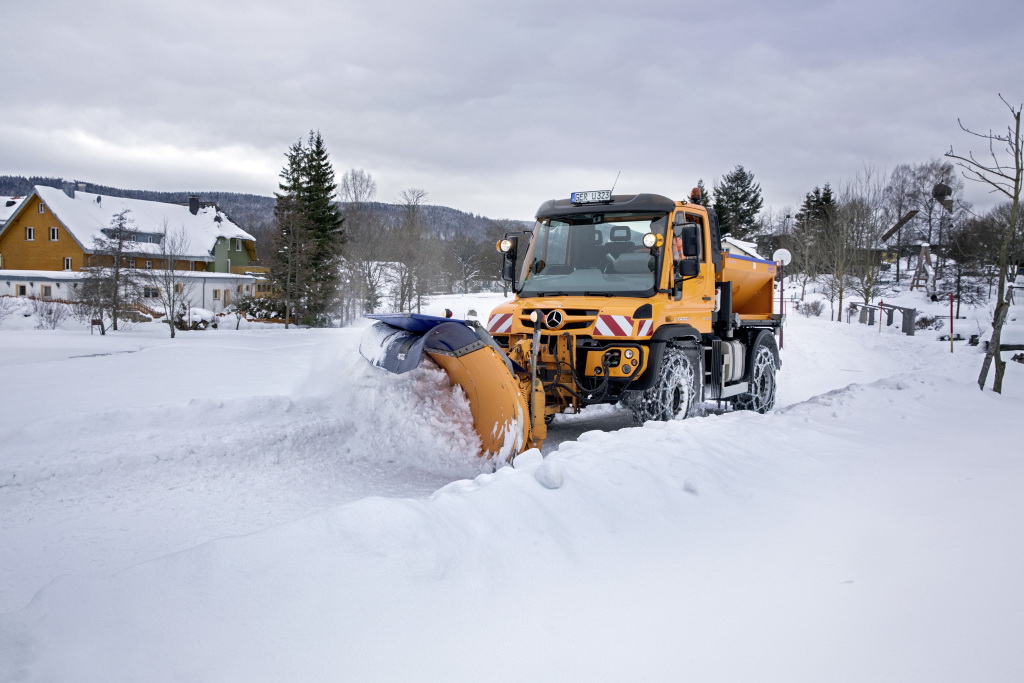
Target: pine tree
[
  {"x": 811, "y": 224},
  {"x": 289, "y": 255},
  {"x": 306, "y": 250},
  {"x": 737, "y": 203},
  {"x": 324, "y": 221}
]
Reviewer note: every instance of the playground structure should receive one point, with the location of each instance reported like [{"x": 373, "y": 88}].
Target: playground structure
[{"x": 866, "y": 314}]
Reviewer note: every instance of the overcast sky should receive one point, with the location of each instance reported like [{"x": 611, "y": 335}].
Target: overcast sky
[{"x": 495, "y": 107}]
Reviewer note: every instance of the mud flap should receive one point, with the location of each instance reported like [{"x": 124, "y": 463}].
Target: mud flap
[{"x": 471, "y": 359}]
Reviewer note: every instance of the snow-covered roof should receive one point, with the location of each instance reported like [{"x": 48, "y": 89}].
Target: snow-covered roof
[
  {"x": 41, "y": 275},
  {"x": 78, "y": 275},
  {"x": 733, "y": 246},
  {"x": 8, "y": 205},
  {"x": 86, "y": 214}
]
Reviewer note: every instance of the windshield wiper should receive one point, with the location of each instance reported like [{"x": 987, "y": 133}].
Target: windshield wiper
[{"x": 598, "y": 294}]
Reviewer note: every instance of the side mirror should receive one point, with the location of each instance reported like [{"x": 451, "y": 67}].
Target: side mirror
[
  {"x": 690, "y": 234},
  {"x": 688, "y": 268},
  {"x": 508, "y": 248}
]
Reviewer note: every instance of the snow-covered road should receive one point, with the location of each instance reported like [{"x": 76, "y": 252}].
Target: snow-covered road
[
  {"x": 158, "y": 446},
  {"x": 866, "y": 530}
]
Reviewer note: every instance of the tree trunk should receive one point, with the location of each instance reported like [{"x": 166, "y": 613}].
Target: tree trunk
[{"x": 994, "y": 351}]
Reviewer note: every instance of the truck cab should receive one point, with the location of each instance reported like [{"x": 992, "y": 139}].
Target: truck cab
[{"x": 630, "y": 298}]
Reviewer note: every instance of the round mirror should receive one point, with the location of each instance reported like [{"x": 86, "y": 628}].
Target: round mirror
[{"x": 782, "y": 255}]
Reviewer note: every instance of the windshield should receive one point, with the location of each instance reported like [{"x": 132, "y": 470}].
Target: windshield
[{"x": 591, "y": 254}]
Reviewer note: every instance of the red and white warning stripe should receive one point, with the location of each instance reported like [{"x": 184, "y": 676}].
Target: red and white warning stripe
[
  {"x": 643, "y": 327},
  {"x": 500, "y": 323},
  {"x": 613, "y": 326}
]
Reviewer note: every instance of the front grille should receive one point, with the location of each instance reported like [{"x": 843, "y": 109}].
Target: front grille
[{"x": 575, "y": 318}]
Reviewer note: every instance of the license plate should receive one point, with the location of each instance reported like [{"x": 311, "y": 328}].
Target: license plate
[{"x": 591, "y": 197}]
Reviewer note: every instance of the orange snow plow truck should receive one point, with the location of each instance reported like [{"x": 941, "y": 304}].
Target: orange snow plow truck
[{"x": 625, "y": 299}]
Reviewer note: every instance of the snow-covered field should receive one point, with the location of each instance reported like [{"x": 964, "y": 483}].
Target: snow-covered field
[{"x": 262, "y": 505}]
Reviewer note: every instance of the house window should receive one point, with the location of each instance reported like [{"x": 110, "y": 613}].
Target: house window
[
  {"x": 22, "y": 291},
  {"x": 216, "y": 295},
  {"x": 53, "y": 234},
  {"x": 239, "y": 289},
  {"x": 30, "y": 234},
  {"x": 151, "y": 292},
  {"x": 42, "y": 207},
  {"x": 131, "y": 263},
  {"x": 46, "y": 290},
  {"x": 238, "y": 244},
  {"x": 149, "y": 265},
  {"x": 178, "y": 288},
  {"x": 67, "y": 263}
]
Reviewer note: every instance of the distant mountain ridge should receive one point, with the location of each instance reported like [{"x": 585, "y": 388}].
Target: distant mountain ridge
[{"x": 255, "y": 213}]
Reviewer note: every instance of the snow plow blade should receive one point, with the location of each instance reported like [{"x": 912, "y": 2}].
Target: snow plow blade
[{"x": 508, "y": 417}]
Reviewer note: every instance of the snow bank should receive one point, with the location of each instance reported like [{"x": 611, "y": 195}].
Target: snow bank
[{"x": 864, "y": 531}]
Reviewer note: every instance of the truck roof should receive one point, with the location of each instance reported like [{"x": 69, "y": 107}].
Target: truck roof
[{"x": 639, "y": 203}]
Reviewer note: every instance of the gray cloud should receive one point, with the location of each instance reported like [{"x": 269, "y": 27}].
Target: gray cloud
[{"x": 494, "y": 108}]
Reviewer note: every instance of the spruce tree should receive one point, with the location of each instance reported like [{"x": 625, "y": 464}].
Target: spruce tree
[
  {"x": 737, "y": 203},
  {"x": 306, "y": 250},
  {"x": 324, "y": 221},
  {"x": 289, "y": 253},
  {"x": 811, "y": 225}
]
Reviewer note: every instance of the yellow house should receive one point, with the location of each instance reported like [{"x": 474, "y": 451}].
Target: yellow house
[
  {"x": 50, "y": 235},
  {"x": 53, "y": 229}
]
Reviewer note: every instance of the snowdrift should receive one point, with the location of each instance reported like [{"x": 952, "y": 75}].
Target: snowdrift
[{"x": 865, "y": 531}]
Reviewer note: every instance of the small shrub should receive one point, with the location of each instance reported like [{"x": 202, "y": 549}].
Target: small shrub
[
  {"x": 132, "y": 316},
  {"x": 925, "y": 322},
  {"x": 812, "y": 309},
  {"x": 7, "y": 306},
  {"x": 50, "y": 314}
]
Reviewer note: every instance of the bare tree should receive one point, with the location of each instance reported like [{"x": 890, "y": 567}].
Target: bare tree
[
  {"x": 911, "y": 188},
  {"x": 1004, "y": 174},
  {"x": 410, "y": 270},
  {"x": 863, "y": 209},
  {"x": 166, "y": 283},
  {"x": 365, "y": 265},
  {"x": 111, "y": 281},
  {"x": 899, "y": 197}
]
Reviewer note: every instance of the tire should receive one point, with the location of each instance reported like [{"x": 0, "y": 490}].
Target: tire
[
  {"x": 676, "y": 394},
  {"x": 761, "y": 397}
]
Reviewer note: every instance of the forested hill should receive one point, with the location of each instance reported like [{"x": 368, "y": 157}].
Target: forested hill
[{"x": 254, "y": 213}]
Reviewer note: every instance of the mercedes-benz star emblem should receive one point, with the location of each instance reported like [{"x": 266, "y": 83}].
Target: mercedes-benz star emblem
[{"x": 553, "y": 320}]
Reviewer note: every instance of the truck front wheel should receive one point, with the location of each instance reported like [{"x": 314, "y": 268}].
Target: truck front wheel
[
  {"x": 761, "y": 397},
  {"x": 676, "y": 393}
]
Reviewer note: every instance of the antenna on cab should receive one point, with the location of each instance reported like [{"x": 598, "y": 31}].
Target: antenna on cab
[{"x": 616, "y": 181}]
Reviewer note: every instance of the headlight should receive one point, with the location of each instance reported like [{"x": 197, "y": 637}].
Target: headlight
[
  {"x": 652, "y": 240},
  {"x": 628, "y": 353},
  {"x": 504, "y": 245}
]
